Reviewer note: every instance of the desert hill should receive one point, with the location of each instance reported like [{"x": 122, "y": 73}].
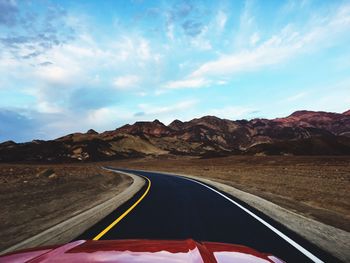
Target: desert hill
[{"x": 301, "y": 133}]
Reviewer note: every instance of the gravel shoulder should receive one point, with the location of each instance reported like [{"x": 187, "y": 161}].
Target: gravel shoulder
[{"x": 331, "y": 239}]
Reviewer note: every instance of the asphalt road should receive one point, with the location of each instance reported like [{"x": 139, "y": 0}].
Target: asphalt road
[{"x": 178, "y": 208}]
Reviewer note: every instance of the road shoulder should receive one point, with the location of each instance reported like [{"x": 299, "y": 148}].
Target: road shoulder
[{"x": 78, "y": 223}]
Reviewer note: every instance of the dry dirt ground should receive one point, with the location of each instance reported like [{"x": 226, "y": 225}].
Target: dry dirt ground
[
  {"x": 317, "y": 187},
  {"x": 36, "y": 197}
]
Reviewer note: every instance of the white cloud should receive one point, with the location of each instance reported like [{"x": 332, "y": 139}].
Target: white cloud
[
  {"x": 105, "y": 116},
  {"x": 133, "y": 48},
  {"x": 46, "y": 107},
  {"x": 254, "y": 38},
  {"x": 82, "y": 62},
  {"x": 293, "y": 6},
  {"x": 278, "y": 48},
  {"x": 187, "y": 83},
  {"x": 141, "y": 93},
  {"x": 202, "y": 40},
  {"x": 57, "y": 74},
  {"x": 156, "y": 110},
  {"x": 247, "y": 26},
  {"x": 221, "y": 19},
  {"x": 221, "y": 82},
  {"x": 126, "y": 82},
  {"x": 170, "y": 31},
  {"x": 201, "y": 43},
  {"x": 143, "y": 49},
  {"x": 296, "y": 96}
]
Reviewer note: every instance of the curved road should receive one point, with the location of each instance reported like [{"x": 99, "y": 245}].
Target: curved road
[{"x": 173, "y": 207}]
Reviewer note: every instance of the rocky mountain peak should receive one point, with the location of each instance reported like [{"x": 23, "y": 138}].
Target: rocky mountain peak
[
  {"x": 176, "y": 125},
  {"x": 154, "y": 128},
  {"x": 156, "y": 121}
]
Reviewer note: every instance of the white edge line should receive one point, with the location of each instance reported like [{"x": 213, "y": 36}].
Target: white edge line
[{"x": 289, "y": 240}]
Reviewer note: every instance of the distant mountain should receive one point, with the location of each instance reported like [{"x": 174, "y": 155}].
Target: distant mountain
[
  {"x": 347, "y": 112},
  {"x": 301, "y": 133}
]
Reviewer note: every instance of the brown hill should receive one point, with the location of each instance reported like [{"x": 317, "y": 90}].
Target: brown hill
[
  {"x": 333, "y": 122},
  {"x": 155, "y": 128},
  {"x": 346, "y": 112},
  {"x": 301, "y": 133},
  {"x": 176, "y": 125}
]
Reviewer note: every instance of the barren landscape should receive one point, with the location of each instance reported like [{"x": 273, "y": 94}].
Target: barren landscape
[
  {"x": 36, "y": 197},
  {"x": 300, "y": 162},
  {"x": 33, "y": 197},
  {"x": 221, "y": 127}
]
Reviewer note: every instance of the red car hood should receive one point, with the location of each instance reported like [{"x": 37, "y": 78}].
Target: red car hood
[{"x": 141, "y": 251}]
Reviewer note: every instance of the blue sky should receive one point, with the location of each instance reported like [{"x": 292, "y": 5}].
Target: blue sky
[{"x": 67, "y": 66}]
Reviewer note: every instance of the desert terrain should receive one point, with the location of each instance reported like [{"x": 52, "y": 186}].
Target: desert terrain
[{"x": 36, "y": 197}]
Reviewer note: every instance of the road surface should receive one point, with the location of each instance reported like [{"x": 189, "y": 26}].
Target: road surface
[{"x": 173, "y": 207}]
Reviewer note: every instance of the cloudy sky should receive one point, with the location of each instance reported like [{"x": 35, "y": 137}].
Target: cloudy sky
[{"x": 67, "y": 66}]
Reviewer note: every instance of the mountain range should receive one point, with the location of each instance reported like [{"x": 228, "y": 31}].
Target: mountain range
[{"x": 301, "y": 133}]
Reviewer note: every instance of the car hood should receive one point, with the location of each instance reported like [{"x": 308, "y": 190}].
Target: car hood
[{"x": 141, "y": 251}]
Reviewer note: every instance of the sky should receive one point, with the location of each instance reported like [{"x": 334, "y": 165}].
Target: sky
[{"x": 68, "y": 66}]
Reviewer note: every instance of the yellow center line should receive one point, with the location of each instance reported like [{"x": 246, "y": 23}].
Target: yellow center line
[{"x": 125, "y": 213}]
